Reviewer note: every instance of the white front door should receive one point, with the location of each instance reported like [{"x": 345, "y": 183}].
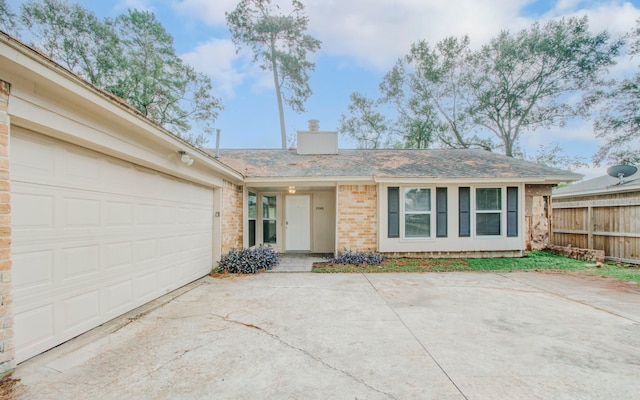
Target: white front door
[{"x": 298, "y": 223}]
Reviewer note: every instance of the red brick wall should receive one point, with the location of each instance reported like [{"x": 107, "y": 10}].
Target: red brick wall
[
  {"x": 231, "y": 216},
  {"x": 7, "y": 351},
  {"x": 357, "y": 217}
]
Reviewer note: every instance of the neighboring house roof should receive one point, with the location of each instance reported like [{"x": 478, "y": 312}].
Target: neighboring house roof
[
  {"x": 397, "y": 163},
  {"x": 600, "y": 185}
]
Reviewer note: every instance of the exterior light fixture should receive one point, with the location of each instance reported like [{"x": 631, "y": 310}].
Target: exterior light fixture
[
  {"x": 185, "y": 158},
  {"x": 292, "y": 189}
]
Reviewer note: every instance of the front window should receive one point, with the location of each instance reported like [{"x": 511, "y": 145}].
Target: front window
[
  {"x": 269, "y": 219},
  {"x": 417, "y": 212},
  {"x": 488, "y": 211}
]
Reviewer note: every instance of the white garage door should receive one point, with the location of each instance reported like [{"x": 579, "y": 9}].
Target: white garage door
[{"x": 94, "y": 237}]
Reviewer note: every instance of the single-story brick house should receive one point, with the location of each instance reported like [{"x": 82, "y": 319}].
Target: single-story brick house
[
  {"x": 102, "y": 210},
  {"x": 320, "y": 199}
]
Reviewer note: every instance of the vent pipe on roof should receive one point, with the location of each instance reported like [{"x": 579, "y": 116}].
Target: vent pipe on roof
[
  {"x": 217, "y": 143},
  {"x": 314, "y": 125}
]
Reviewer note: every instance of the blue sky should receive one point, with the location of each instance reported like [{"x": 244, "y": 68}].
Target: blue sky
[{"x": 361, "y": 41}]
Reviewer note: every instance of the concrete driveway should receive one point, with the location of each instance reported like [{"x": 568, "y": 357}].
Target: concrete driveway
[{"x": 356, "y": 336}]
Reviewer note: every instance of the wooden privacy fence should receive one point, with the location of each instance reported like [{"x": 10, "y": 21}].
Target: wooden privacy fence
[{"x": 608, "y": 222}]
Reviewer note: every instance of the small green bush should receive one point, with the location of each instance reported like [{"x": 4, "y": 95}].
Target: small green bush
[{"x": 249, "y": 261}]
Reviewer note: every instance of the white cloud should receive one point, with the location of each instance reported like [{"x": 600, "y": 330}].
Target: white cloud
[
  {"x": 376, "y": 32},
  {"x": 146, "y": 5},
  {"x": 218, "y": 59},
  {"x": 562, "y": 6},
  {"x": 211, "y": 12}
]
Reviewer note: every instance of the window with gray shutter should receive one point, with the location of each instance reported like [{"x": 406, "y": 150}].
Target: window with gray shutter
[
  {"x": 393, "y": 195},
  {"x": 512, "y": 211},
  {"x": 464, "y": 209},
  {"x": 441, "y": 212}
]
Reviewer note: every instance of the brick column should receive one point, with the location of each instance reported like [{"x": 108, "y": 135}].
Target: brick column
[
  {"x": 358, "y": 217},
  {"x": 231, "y": 216},
  {"x": 7, "y": 350}
]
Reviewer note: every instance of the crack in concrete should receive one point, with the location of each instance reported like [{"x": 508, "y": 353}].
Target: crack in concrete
[
  {"x": 176, "y": 357},
  {"x": 570, "y": 299},
  {"x": 415, "y": 337},
  {"x": 307, "y": 353}
]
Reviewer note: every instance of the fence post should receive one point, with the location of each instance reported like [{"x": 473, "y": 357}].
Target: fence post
[{"x": 590, "y": 227}]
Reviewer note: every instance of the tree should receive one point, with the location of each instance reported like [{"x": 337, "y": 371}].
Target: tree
[
  {"x": 74, "y": 37},
  {"x": 417, "y": 116},
  {"x": 523, "y": 82},
  {"x": 619, "y": 121},
  {"x": 280, "y": 44},
  {"x": 552, "y": 155},
  {"x": 131, "y": 56},
  {"x": 517, "y": 83},
  {"x": 157, "y": 82},
  {"x": 7, "y": 18},
  {"x": 414, "y": 124},
  {"x": 429, "y": 90},
  {"x": 366, "y": 125}
]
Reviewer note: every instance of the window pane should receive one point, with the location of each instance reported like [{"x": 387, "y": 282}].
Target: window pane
[
  {"x": 252, "y": 232},
  {"x": 269, "y": 207},
  {"x": 488, "y": 199},
  {"x": 417, "y": 199},
  {"x": 417, "y": 225},
  {"x": 253, "y": 203},
  {"x": 269, "y": 232},
  {"x": 487, "y": 224}
]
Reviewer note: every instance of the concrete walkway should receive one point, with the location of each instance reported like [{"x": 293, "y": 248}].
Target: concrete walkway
[
  {"x": 293, "y": 262},
  {"x": 359, "y": 336}
]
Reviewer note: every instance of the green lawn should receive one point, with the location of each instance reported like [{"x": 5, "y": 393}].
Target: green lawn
[{"x": 536, "y": 260}]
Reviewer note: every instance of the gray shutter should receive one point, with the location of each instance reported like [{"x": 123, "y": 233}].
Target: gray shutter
[
  {"x": 393, "y": 194},
  {"x": 441, "y": 212},
  {"x": 512, "y": 211},
  {"x": 464, "y": 208}
]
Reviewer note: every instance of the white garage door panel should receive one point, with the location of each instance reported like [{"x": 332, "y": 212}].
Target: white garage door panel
[
  {"x": 37, "y": 325},
  {"x": 94, "y": 237}
]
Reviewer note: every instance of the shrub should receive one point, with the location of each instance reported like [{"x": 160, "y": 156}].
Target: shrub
[
  {"x": 248, "y": 261},
  {"x": 357, "y": 258}
]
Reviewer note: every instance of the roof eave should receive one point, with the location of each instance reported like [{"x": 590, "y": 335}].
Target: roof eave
[
  {"x": 29, "y": 61},
  {"x": 548, "y": 180},
  {"x": 307, "y": 180},
  {"x": 593, "y": 192}
]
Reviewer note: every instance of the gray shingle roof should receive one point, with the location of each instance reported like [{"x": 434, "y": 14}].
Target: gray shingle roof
[
  {"x": 439, "y": 163},
  {"x": 601, "y": 184}
]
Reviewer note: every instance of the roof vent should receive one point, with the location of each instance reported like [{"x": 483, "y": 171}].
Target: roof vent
[{"x": 621, "y": 172}]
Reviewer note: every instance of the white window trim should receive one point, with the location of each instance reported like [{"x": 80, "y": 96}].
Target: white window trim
[
  {"x": 502, "y": 212},
  {"x": 431, "y": 214},
  {"x": 255, "y": 193},
  {"x": 261, "y": 218}
]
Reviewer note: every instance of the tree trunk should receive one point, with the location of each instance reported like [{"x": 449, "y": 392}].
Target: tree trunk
[
  {"x": 508, "y": 146},
  {"x": 276, "y": 82}
]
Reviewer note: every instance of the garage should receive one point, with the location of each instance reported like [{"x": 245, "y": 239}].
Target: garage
[{"x": 95, "y": 236}]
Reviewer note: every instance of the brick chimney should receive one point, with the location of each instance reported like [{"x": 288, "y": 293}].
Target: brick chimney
[{"x": 315, "y": 141}]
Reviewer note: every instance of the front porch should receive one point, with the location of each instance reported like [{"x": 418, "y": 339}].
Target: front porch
[{"x": 291, "y": 218}]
